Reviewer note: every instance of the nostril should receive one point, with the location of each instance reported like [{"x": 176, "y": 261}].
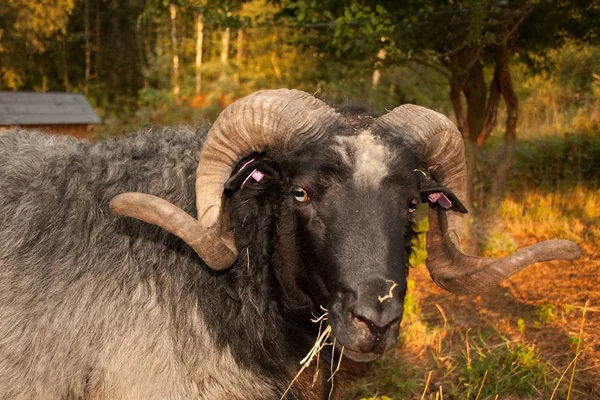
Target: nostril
[
  {"x": 360, "y": 318},
  {"x": 373, "y": 327},
  {"x": 378, "y": 321}
]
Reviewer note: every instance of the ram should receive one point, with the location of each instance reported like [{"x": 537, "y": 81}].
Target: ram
[{"x": 300, "y": 208}]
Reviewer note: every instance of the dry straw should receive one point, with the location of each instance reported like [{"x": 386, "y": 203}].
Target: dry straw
[
  {"x": 574, "y": 361},
  {"x": 320, "y": 343}
]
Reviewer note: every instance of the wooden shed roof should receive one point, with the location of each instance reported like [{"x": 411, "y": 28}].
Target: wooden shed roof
[{"x": 29, "y": 108}]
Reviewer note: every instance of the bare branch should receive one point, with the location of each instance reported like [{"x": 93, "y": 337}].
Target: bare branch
[{"x": 526, "y": 13}]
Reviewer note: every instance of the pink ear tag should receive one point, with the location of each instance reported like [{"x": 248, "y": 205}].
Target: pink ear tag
[
  {"x": 256, "y": 175},
  {"x": 441, "y": 199}
]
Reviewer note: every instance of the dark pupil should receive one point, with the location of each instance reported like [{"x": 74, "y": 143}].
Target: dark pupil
[{"x": 298, "y": 193}]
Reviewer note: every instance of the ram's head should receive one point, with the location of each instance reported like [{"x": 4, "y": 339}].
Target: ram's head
[{"x": 347, "y": 185}]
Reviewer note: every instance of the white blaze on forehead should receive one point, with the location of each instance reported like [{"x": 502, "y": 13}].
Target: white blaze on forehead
[
  {"x": 370, "y": 160},
  {"x": 343, "y": 148}
]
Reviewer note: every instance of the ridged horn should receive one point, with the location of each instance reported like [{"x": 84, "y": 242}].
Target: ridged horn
[
  {"x": 271, "y": 119},
  {"x": 283, "y": 119},
  {"x": 440, "y": 149},
  {"x": 217, "y": 251}
]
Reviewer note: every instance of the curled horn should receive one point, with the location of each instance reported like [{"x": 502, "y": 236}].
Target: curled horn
[
  {"x": 440, "y": 150},
  {"x": 283, "y": 119},
  {"x": 270, "y": 119}
]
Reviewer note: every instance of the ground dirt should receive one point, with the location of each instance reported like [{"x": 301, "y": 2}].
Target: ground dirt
[{"x": 564, "y": 287}]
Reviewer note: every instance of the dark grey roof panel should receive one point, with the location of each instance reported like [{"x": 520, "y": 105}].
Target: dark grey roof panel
[{"x": 28, "y": 108}]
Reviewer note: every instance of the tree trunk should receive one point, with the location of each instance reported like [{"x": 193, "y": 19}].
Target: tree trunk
[
  {"x": 175, "y": 50},
  {"x": 44, "y": 77},
  {"x": 239, "y": 56},
  {"x": 461, "y": 122},
  {"x": 141, "y": 29},
  {"x": 457, "y": 105},
  {"x": 88, "y": 49},
  {"x": 275, "y": 56},
  {"x": 475, "y": 90},
  {"x": 199, "y": 44},
  {"x": 476, "y": 124},
  {"x": 97, "y": 45},
  {"x": 225, "y": 40},
  {"x": 377, "y": 71},
  {"x": 65, "y": 66},
  {"x": 147, "y": 51},
  {"x": 492, "y": 108},
  {"x": 510, "y": 136}
]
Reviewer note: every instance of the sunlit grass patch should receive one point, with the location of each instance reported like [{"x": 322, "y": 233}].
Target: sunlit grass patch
[
  {"x": 502, "y": 369},
  {"x": 419, "y": 254},
  {"x": 572, "y": 213},
  {"x": 546, "y": 313},
  {"x": 498, "y": 243},
  {"x": 483, "y": 365},
  {"x": 464, "y": 364},
  {"x": 390, "y": 378}
]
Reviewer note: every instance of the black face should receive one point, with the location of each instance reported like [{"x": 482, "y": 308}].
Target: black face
[
  {"x": 352, "y": 224},
  {"x": 344, "y": 230}
]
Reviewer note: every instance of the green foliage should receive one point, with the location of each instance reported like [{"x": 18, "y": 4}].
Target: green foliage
[
  {"x": 498, "y": 243},
  {"x": 575, "y": 340},
  {"x": 361, "y": 30},
  {"x": 509, "y": 368},
  {"x": 546, "y": 162},
  {"x": 575, "y": 68},
  {"x": 389, "y": 378},
  {"x": 546, "y": 313},
  {"x": 521, "y": 326},
  {"x": 419, "y": 254},
  {"x": 411, "y": 302},
  {"x": 28, "y": 30},
  {"x": 418, "y": 26}
]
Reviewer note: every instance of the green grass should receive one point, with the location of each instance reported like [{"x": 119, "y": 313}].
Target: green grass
[
  {"x": 487, "y": 363},
  {"x": 419, "y": 254},
  {"x": 569, "y": 213},
  {"x": 390, "y": 378},
  {"x": 502, "y": 369},
  {"x": 546, "y": 313},
  {"x": 481, "y": 365}
]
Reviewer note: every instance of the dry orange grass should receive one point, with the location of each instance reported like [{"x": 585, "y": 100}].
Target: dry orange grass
[{"x": 572, "y": 214}]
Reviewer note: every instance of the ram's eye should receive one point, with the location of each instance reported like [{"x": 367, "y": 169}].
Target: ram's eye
[
  {"x": 413, "y": 205},
  {"x": 300, "y": 194}
]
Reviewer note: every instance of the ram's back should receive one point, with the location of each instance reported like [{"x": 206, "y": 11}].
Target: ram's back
[
  {"x": 70, "y": 271},
  {"x": 55, "y": 190}
]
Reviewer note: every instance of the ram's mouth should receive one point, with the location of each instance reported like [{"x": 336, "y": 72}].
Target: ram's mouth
[
  {"x": 359, "y": 343},
  {"x": 356, "y": 356}
]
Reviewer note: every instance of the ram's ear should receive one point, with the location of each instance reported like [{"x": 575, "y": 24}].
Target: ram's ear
[
  {"x": 438, "y": 195},
  {"x": 254, "y": 172}
]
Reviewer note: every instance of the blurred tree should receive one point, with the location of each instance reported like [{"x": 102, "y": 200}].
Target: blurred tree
[
  {"x": 199, "y": 30},
  {"x": 88, "y": 47},
  {"x": 463, "y": 40},
  {"x": 120, "y": 54},
  {"x": 28, "y": 29},
  {"x": 175, "y": 49}
]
